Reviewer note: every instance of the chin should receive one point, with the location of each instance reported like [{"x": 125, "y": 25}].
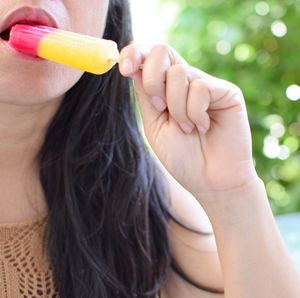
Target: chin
[{"x": 37, "y": 85}]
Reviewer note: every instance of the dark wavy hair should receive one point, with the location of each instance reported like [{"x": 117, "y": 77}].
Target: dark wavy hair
[{"x": 106, "y": 233}]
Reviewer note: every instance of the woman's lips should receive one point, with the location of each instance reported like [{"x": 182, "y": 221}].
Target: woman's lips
[
  {"x": 15, "y": 53},
  {"x": 5, "y": 35},
  {"x": 26, "y": 15}
]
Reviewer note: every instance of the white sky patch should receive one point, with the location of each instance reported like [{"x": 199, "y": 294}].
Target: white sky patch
[{"x": 151, "y": 20}]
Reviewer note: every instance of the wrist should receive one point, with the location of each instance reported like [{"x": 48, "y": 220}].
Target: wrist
[
  {"x": 249, "y": 243},
  {"x": 233, "y": 206}
]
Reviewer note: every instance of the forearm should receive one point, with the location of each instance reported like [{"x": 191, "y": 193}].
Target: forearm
[{"x": 255, "y": 261}]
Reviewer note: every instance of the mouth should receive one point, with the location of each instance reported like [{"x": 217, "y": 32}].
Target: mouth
[
  {"x": 5, "y": 35},
  {"x": 26, "y": 15}
]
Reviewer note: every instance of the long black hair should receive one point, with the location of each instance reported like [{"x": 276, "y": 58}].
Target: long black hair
[{"x": 106, "y": 233}]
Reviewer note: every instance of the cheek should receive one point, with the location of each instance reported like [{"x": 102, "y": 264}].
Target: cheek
[
  {"x": 88, "y": 19},
  {"x": 39, "y": 85},
  {"x": 56, "y": 83}
]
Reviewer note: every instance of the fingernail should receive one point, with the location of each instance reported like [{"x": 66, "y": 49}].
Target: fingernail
[
  {"x": 159, "y": 103},
  {"x": 127, "y": 66},
  {"x": 201, "y": 129},
  {"x": 186, "y": 127}
]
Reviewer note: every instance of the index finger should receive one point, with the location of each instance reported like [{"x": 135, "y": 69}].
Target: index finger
[
  {"x": 155, "y": 69},
  {"x": 133, "y": 56}
]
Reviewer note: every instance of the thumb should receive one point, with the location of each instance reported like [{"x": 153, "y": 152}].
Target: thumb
[
  {"x": 131, "y": 65},
  {"x": 151, "y": 116}
]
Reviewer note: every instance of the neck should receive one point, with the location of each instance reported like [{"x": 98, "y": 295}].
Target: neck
[{"x": 22, "y": 132}]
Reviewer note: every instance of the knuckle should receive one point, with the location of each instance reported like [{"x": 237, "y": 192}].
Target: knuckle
[
  {"x": 233, "y": 86},
  {"x": 198, "y": 85},
  {"x": 162, "y": 48},
  {"x": 234, "y": 89},
  {"x": 177, "y": 70},
  {"x": 129, "y": 49},
  {"x": 237, "y": 93}
]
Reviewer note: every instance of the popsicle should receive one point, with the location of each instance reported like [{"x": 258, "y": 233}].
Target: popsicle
[{"x": 90, "y": 54}]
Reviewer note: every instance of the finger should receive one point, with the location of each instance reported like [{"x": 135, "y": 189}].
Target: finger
[
  {"x": 150, "y": 85},
  {"x": 177, "y": 93},
  {"x": 130, "y": 61},
  {"x": 155, "y": 68},
  {"x": 196, "y": 73},
  {"x": 223, "y": 94},
  {"x": 151, "y": 81},
  {"x": 198, "y": 103},
  {"x": 214, "y": 100},
  {"x": 151, "y": 116},
  {"x": 131, "y": 58}
]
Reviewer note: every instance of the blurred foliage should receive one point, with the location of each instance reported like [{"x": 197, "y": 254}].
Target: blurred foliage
[{"x": 254, "y": 44}]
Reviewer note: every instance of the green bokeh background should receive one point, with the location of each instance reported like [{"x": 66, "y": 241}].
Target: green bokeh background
[{"x": 263, "y": 65}]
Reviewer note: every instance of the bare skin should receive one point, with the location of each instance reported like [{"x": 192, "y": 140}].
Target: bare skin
[
  {"x": 30, "y": 93},
  {"x": 21, "y": 135},
  {"x": 203, "y": 117},
  {"x": 198, "y": 127}
]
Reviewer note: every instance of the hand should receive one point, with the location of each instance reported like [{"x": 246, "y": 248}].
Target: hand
[{"x": 196, "y": 124}]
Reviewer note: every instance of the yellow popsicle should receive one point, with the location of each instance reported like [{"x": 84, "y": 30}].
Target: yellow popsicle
[{"x": 83, "y": 52}]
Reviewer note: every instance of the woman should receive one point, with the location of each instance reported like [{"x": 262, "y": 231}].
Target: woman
[{"x": 117, "y": 224}]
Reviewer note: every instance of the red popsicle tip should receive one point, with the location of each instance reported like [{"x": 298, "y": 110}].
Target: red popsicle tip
[{"x": 26, "y": 38}]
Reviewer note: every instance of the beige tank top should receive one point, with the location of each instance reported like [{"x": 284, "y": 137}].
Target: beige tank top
[{"x": 24, "y": 269}]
